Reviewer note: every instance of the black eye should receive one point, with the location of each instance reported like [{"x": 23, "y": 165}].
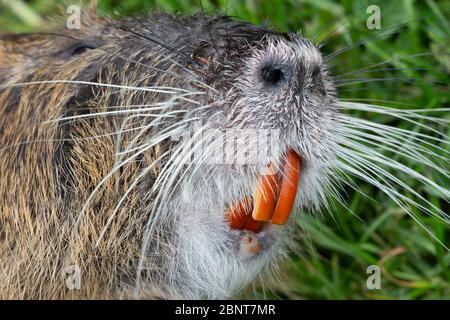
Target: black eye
[
  {"x": 271, "y": 75},
  {"x": 80, "y": 49},
  {"x": 77, "y": 48}
]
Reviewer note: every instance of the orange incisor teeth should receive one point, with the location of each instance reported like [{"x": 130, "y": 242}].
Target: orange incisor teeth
[
  {"x": 265, "y": 194},
  {"x": 288, "y": 189},
  {"x": 266, "y": 205},
  {"x": 239, "y": 216},
  {"x": 273, "y": 198}
]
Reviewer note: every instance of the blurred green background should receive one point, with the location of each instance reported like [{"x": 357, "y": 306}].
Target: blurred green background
[{"x": 335, "y": 248}]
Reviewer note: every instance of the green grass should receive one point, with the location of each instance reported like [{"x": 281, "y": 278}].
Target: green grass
[{"x": 336, "y": 248}]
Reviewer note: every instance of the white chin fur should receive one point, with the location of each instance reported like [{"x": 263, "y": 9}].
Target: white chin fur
[
  {"x": 207, "y": 258},
  {"x": 211, "y": 263}
]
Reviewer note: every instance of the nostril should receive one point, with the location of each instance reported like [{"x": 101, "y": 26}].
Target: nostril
[{"x": 271, "y": 75}]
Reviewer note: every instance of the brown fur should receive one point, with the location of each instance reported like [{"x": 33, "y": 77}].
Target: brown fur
[{"x": 37, "y": 211}]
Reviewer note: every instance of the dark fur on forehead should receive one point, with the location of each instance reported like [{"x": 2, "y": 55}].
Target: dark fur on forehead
[
  {"x": 174, "y": 28},
  {"x": 190, "y": 37}
]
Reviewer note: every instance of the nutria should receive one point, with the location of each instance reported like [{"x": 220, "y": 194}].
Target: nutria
[{"x": 93, "y": 124}]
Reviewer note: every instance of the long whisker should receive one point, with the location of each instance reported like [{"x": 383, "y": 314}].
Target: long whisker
[
  {"x": 398, "y": 113},
  {"x": 164, "y": 134},
  {"x": 348, "y": 82},
  {"x": 127, "y": 192},
  {"x": 156, "y": 89},
  {"x": 364, "y": 67},
  {"x": 392, "y": 193},
  {"x": 409, "y": 151},
  {"x": 370, "y": 157},
  {"x": 154, "y": 107},
  {"x": 397, "y": 133}
]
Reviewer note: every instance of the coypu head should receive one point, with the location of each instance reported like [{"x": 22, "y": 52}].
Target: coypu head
[{"x": 131, "y": 173}]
